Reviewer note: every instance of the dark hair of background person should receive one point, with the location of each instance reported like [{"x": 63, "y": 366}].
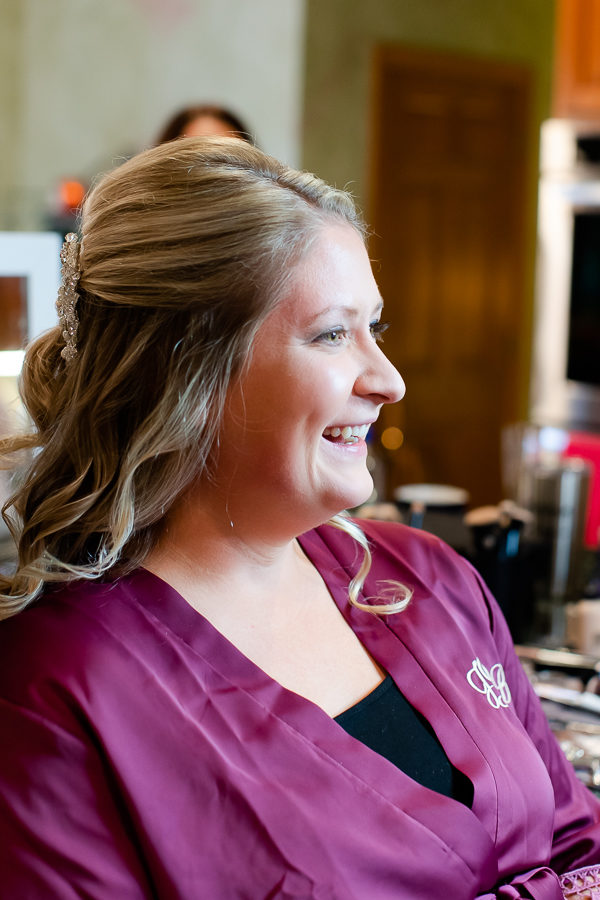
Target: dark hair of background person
[{"x": 176, "y": 126}]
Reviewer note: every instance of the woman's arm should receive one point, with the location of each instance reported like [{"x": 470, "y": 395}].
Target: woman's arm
[{"x": 64, "y": 832}]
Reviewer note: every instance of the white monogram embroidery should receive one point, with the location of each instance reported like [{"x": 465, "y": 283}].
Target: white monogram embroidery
[{"x": 491, "y": 682}]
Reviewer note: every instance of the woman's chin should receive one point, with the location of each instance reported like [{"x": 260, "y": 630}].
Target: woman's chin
[{"x": 353, "y": 499}]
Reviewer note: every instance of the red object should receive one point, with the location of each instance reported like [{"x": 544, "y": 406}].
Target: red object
[
  {"x": 70, "y": 195},
  {"x": 587, "y": 446}
]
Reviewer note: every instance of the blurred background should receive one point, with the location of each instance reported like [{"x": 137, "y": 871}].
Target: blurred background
[
  {"x": 428, "y": 110},
  {"x": 469, "y": 134}
]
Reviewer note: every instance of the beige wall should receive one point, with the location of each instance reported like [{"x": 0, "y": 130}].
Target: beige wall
[
  {"x": 10, "y": 97},
  {"x": 83, "y": 82}
]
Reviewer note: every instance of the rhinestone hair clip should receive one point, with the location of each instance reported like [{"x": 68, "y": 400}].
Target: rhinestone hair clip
[{"x": 66, "y": 302}]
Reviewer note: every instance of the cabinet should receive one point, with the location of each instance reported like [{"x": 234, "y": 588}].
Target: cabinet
[{"x": 577, "y": 60}]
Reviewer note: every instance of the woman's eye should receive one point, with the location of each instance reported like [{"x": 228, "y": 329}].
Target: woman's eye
[
  {"x": 377, "y": 329},
  {"x": 332, "y": 337}
]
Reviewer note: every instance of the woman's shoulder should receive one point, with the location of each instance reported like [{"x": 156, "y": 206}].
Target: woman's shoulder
[
  {"x": 64, "y": 608},
  {"x": 72, "y": 633},
  {"x": 397, "y": 544}
]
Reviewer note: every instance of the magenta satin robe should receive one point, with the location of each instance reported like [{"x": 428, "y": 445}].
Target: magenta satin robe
[{"x": 143, "y": 756}]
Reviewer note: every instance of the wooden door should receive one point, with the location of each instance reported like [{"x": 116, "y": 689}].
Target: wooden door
[{"x": 450, "y": 141}]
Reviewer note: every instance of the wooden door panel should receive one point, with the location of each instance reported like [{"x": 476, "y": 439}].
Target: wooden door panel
[
  {"x": 448, "y": 213},
  {"x": 408, "y": 277}
]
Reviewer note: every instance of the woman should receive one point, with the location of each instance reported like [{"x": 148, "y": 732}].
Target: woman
[
  {"x": 204, "y": 120},
  {"x": 206, "y": 689}
]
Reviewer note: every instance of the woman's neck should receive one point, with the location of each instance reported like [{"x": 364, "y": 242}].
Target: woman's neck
[{"x": 202, "y": 551}]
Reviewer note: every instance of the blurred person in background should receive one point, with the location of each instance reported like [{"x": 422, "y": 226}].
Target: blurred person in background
[{"x": 204, "y": 120}]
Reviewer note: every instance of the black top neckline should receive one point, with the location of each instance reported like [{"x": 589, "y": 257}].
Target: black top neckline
[{"x": 386, "y": 722}]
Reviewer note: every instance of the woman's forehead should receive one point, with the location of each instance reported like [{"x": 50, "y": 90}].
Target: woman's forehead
[{"x": 333, "y": 276}]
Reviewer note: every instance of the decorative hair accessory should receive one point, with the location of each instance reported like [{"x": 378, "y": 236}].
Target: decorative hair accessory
[{"x": 67, "y": 295}]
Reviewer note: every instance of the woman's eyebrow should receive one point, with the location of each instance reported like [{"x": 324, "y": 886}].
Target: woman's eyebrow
[{"x": 352, "y": 311}]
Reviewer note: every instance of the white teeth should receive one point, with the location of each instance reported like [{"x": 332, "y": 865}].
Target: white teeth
[{"x": 350, "y": 433}]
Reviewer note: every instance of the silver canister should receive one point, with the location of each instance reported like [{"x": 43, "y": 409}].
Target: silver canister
[{"x": 557, "y": 495}]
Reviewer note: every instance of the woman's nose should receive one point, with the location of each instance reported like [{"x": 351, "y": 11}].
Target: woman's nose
[{"x": 381, "y": 380}]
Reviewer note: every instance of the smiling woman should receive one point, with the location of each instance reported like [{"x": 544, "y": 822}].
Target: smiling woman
[{"x": 196, "y": 697}]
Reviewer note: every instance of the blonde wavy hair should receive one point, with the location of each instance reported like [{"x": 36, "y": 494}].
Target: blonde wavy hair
[{"x": 185, "y": 249}]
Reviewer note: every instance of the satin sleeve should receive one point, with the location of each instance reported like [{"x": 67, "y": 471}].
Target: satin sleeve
[{"x": 63, "y": 829}]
